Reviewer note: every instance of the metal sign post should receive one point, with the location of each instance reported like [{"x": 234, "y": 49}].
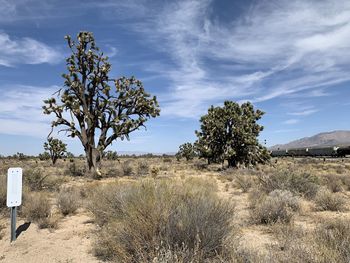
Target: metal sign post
[
  {"x": 13, "y": 223},
  {"x": 14, "y": 196}
]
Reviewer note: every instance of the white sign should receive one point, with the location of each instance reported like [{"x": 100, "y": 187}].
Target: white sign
[{"x": 14, "y": 187}]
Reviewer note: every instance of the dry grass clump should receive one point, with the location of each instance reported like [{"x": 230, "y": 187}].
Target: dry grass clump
[
  {"x": 75, "y": 170},
  {"x": 37, "y": 179},
  {"x": 328, "y": 201},
  {"x": 278, "y": 206},
  {"x": 294, "y": 245},
  {"x": 162, "y": 221},
  {"x": 3, "y": 192},
  {"x": 345, "y": 179},
  {"x": 300, "y": 183},
  {"x": 244, "y": 182},
  {"x": 142, "y": 168},
  {"x": 167, "y": 160},
  {"x": 112, "y": 172},
  {"x": 68, "y": 200},
  {"x": 328, "y": 242},
  {"x": 199, "y": 164},
  {"x": 34, "y": 178},
  {"x": 37, "y": 208},
  {"x": 333, "y": 240},
  {"x": 127, "y": 168},
  {"x": 333, "y": 183}
]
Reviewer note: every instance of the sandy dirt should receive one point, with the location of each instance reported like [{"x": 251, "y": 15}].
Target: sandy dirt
[{"x": 71, "y": 242}]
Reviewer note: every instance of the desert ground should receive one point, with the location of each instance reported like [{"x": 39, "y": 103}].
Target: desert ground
[{"x": 163, "y": 210}]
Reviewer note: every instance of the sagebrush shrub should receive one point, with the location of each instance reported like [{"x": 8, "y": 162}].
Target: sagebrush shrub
[
  {"x": 326, "y": 200},
  {"x": 34, "y": 178},
  {"x": 142, "y": 221},
  {"x": 75, "y": 170},
  {"x": 36, "y": 208},
  {"x": 68, "y": 200},
  {"x": 296, "y": 182},
  {"x": 142, "y": 168},
  {"x": 333, "y": 183},
  {"x": 243, "y": 181},
  {"x": 127, "y": 168},
  {"x": 278, "y": 206},
  {"x": 333, "y": 240}
]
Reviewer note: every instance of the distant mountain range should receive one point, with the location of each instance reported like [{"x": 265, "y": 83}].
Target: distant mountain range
[{"x": 333, "y": 138}]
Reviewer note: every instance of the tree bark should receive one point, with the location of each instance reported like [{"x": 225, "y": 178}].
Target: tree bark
[
  {"x": 232, "y": 163},
  {"x": 93, "y": 157}
]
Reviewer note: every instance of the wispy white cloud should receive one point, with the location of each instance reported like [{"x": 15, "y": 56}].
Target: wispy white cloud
[
  {"x": 291, "y": 121},
  {"x": 285, "y": 48},
  {"x": 25, "y": 51},
  {"x": 286, "y": 130},
  {"x": 303, "y": 112},
  {"x": 21, "y": 112}
]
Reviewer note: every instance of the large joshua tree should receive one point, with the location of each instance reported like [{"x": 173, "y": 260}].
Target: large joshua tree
[
  {"x": 231, "y": 133},
  {"x": 90, "y": 109}
]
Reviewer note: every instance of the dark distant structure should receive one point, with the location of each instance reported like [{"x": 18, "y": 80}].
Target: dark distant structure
[{"x": 334, "y": 151}]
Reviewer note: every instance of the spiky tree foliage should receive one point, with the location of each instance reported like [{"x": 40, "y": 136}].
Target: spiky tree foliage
[
  {"x": 186, "y": 151},
  {"x": 56, "y": 149},
  {"x": 211, "y": 138},
  {"x": 231, "y": 133},
  {"x": 98, "y": 106}
]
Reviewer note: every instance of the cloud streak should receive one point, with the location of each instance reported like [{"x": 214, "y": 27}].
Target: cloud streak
[
  {"x": 25, "y": 51},
  {"x": 275, "y": 49},
  {"x": 21, "y": 112}
]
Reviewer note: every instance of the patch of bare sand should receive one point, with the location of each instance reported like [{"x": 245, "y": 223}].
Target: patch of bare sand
[{"x": 71, "y": 242}]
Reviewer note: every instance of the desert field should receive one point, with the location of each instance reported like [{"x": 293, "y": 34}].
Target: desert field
[{"x": 163, "y": 210}]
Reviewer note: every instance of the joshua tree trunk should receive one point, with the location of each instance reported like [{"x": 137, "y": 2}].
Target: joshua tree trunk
[
  {"x": 93, "y": 157},
  {"x": 232, "y": 163}
]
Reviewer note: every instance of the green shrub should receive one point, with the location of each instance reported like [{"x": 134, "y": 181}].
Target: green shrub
[
  {"x": 68, "y": 200},
  {"x": 326, "y": 200},
  {"x": 296, "y": 182},
  {"x": 150, "y": 221},
  {"x": 278, "y": 206}
]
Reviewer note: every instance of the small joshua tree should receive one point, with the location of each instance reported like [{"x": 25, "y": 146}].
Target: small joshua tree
[
  {"x": 186, "y": 150},
  {"x": 95, "y": 108},
  {"x": 56, "y": 149},
  {"x": 231, "y": 133}
]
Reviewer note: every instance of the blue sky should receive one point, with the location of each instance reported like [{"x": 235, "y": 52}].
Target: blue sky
[{"x": 290, "y": 58}]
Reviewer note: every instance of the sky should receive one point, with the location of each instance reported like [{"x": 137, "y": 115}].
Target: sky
[{"x": 291, "y": 59}]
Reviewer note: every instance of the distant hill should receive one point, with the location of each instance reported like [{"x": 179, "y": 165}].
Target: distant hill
[{"x": 334, "y": 138}]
